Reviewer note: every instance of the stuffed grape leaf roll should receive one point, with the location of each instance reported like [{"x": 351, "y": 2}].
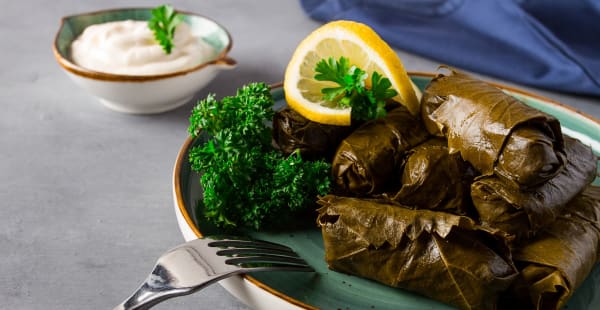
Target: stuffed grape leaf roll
[
  {"x": 369, "y": 160},
  {"x": 492, "y": 130},
  {"x": 521, "y": 212},
  {"x": 292, "y": 131},
  {"x": 557, "y": 261},
  {"x": 434, "y": 179},
  {"x": 440, "y": 255}
]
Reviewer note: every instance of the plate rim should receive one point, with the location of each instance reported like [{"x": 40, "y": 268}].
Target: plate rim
[{"x": 180, "y": 204}]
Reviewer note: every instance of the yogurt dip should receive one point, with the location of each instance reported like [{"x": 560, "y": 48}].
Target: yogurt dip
[{"x": 129, "y": 48}]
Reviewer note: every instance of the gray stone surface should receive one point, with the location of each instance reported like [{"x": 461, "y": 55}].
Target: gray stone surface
[{"x": 85, "y": 192}]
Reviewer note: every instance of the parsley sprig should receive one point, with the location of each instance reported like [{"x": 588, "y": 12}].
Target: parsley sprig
[
  {"x": 245, "y": 182},
  {"x": 365, "y": 103},
  {"x": 163, "y": 23}
]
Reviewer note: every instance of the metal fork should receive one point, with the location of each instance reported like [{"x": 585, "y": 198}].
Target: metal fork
[{"x": 196, "y": 264}]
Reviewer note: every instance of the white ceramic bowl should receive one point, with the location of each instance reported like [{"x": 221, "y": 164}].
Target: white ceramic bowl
[{"x": 143, "y": 94}]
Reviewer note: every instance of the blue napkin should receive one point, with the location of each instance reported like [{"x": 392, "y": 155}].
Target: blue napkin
[{"x": 552, "y": 44}]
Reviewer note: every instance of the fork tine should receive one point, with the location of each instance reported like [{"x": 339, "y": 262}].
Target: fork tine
[
  {"x": 248, "y": 252},
  {"x": 271, "y": 260},
  {"x": 256, "y": 244},
  {"x": 275, "y": 267}
]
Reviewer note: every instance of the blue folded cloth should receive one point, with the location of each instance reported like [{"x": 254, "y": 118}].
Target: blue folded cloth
[{"x": 552, "y": 44}]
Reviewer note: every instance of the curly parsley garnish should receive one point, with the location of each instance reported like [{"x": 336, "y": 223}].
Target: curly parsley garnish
[
  {"x": 365, "y": 103},
  {"x": 246, "y": 182},
  {"x": 163, "y": 23}
]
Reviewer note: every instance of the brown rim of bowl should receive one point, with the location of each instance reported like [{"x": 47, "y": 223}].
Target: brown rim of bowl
[
  {"x": 221, "y": 59},
  {"x": 183, "y": 150}
]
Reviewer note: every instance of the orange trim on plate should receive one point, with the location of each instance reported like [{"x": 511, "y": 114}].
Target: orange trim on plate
[
  {"x": 177, "y": 185},
  {"x": 180, "y": 160}
]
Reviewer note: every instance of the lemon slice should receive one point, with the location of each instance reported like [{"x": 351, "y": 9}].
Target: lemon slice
[{"x": 364, "y": 48}]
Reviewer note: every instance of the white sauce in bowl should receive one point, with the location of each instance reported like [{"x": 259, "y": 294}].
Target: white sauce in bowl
[{"x": 129, "y": 48}]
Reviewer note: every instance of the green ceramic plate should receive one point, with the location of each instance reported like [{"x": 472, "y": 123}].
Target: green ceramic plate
[{"x": 327, "y": 289}]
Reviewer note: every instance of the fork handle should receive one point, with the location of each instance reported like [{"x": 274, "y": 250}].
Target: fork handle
[
  {"x": 147, "y": 296},
  {"x": 158, "y": 288}
]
